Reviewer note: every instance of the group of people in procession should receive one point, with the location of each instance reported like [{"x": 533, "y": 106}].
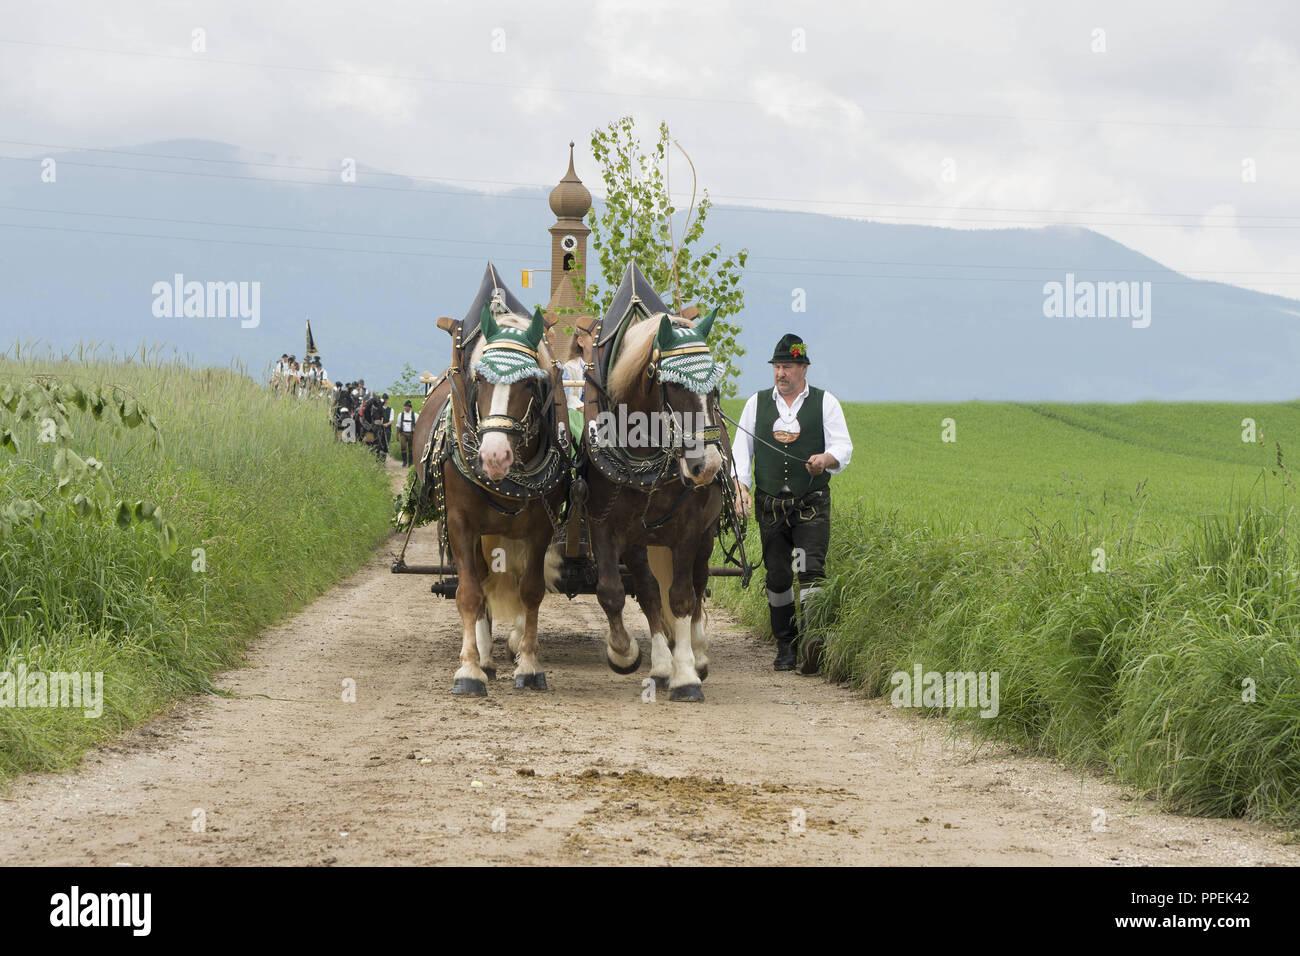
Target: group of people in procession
[
  {"x": 369, "y": 411},
  {"x": 293, "y": 378}
]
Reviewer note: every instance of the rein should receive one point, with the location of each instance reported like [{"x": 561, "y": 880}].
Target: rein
[
  {"x": 524, "y": 481},
  {"x": 776, "y": 448}
]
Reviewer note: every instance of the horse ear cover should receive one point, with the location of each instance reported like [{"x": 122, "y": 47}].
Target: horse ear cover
[
  {"x": 665, "y": 338},
  {"x": 488, "y": 324},
  {"x": 702, "y": 327},
  {"x": 536, "y": 327}
]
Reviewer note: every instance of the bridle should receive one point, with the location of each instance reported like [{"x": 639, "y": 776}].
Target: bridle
[
  {"x": 678, "y": 437},
  {"x": 519, "y": 432}
]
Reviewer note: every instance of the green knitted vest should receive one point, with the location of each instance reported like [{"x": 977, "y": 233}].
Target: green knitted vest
[{"x": 771, "y": 470}]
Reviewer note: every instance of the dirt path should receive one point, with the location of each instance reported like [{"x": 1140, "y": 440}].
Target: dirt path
[{"x": 286, "y": 772}]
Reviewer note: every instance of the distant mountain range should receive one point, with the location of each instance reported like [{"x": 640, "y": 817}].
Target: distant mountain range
[{"x": 892, "y": 312}]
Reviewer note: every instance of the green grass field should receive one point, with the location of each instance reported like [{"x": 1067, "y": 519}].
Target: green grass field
[
  {"x": 1177, "y": 668},
  {"x": 1011, "y": 463},
  {"x": 279, "y": 510}
]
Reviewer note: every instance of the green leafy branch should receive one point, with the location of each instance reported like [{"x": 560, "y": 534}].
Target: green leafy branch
[
  {"x": 82, "y": 485},
  {"x": 633, "y": 225}
]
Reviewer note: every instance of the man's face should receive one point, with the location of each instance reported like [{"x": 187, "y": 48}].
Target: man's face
[{"x": 789, "y": 377}]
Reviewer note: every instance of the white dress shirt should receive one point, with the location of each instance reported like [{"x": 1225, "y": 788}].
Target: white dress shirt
[
  {"x": 574, "y": 369},
  {"x": 835, "y": 431}
]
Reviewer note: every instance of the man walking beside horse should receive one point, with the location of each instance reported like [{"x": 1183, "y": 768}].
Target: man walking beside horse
[{"x": 797, "y": 437}]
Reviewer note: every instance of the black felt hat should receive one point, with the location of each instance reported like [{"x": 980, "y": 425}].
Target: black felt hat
[{"x": 791, "y": 349}]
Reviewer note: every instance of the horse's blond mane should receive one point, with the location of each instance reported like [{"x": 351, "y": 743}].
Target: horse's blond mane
[{"x": 634, "y": 354}]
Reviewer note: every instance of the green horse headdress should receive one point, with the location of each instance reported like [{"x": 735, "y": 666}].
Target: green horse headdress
[
  {"x": 684, "y": 356},
  {"x": 510, "y": 355}
]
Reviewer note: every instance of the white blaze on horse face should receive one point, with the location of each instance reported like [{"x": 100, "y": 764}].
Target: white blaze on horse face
[
  {"x": 494, "y": 451},
  {"x": 700, "y": 463}
]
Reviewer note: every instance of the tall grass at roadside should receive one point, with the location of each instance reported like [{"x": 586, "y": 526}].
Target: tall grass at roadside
[
  {"x": 1177, "y": 668},
  {"x": 279, "y": 510}
]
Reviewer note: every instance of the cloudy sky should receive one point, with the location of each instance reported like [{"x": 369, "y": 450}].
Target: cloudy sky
[{"x": 1172, "y": 127}]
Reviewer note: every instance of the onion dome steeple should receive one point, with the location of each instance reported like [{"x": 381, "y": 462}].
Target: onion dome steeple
[{"x": 570, "y": 199}]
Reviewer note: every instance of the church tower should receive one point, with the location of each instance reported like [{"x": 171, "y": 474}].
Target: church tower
[{"x": 570, "y": 201}]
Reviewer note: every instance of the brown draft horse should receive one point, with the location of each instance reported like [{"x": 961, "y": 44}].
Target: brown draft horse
[
  {"x": 503, "y": 484},
  {"x": 663, "y": 532}
]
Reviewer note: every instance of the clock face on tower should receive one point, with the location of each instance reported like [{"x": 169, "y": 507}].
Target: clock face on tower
[{"x": 569, "y": 243}]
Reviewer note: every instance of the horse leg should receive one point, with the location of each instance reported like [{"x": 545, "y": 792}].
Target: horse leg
[
  {"x": 483, "y": 626},
  {"x": 699, "y": 638},
  {"x": 469, "y": 678},
  {"x": 621, "y": 652},
  {"x": 659, "y": 566},
  {"x": 516, "y": 633},
  {"x": 515, "y": 621},
  {"x": 685, "y": 682},
  {"x": 532, "y": 588}
]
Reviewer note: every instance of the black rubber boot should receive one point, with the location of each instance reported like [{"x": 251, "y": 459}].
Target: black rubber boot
[
  {"x": 783, "y": 628},
  {"x": 785, "y": 659},
  {"x": 809, "y": 649},
  {"x": 811, "y": 655}
]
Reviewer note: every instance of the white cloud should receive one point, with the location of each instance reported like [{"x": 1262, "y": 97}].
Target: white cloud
[{"x": 883, "y": 96}]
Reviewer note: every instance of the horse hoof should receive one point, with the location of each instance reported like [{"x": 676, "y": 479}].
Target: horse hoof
[
  {"x": 703, "y": 672},
  {"x": 661, "y": 683},
  {"x": 468, "y": 686},
  {"x": 492, "y": 673},
  {"x": 689, "y": 693},
  {"x": 631, "y": 668},
  {"x": 531, "y": 681}
]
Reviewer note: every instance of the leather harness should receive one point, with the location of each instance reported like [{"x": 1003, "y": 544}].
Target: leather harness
[
  {"x": 644, "y": 474},
  {"x": 459, "y": 430}
]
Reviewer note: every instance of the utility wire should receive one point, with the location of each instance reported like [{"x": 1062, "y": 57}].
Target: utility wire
[
  {"x": 1155, "y": 270},
  {"x": 468, "y": 194},
  {"x": 432, "y": 255},
  {"x": 730, "y": 197},
  {"x": 204, "y": 58}
]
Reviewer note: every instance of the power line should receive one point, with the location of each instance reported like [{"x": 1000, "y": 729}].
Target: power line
[
  {"x": 485, "y": 84},
  {"x": 1158, "y": 269},
  {"x": 428, "y": 255},
  {"x": 1067, "y": 212},
  {"x": 467, "y": 194},
  {"x": 292, "y": 182},
  {"x": 506, "y": 182},
  {"x": 244, "y": 225},
  {"x": 973, "y": 265},
  {"x": 241, "y": 162},
  {"x": 240, "y": 242}
]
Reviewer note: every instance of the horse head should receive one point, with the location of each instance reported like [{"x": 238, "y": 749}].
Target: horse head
[
  {"x": 688, "y": 377},
  {"x": 665, "y": 372},
  {"x": 509, "y": 363}
]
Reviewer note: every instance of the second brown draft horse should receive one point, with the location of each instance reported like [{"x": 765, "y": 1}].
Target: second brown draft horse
[{"x": 652, "y": 460}]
